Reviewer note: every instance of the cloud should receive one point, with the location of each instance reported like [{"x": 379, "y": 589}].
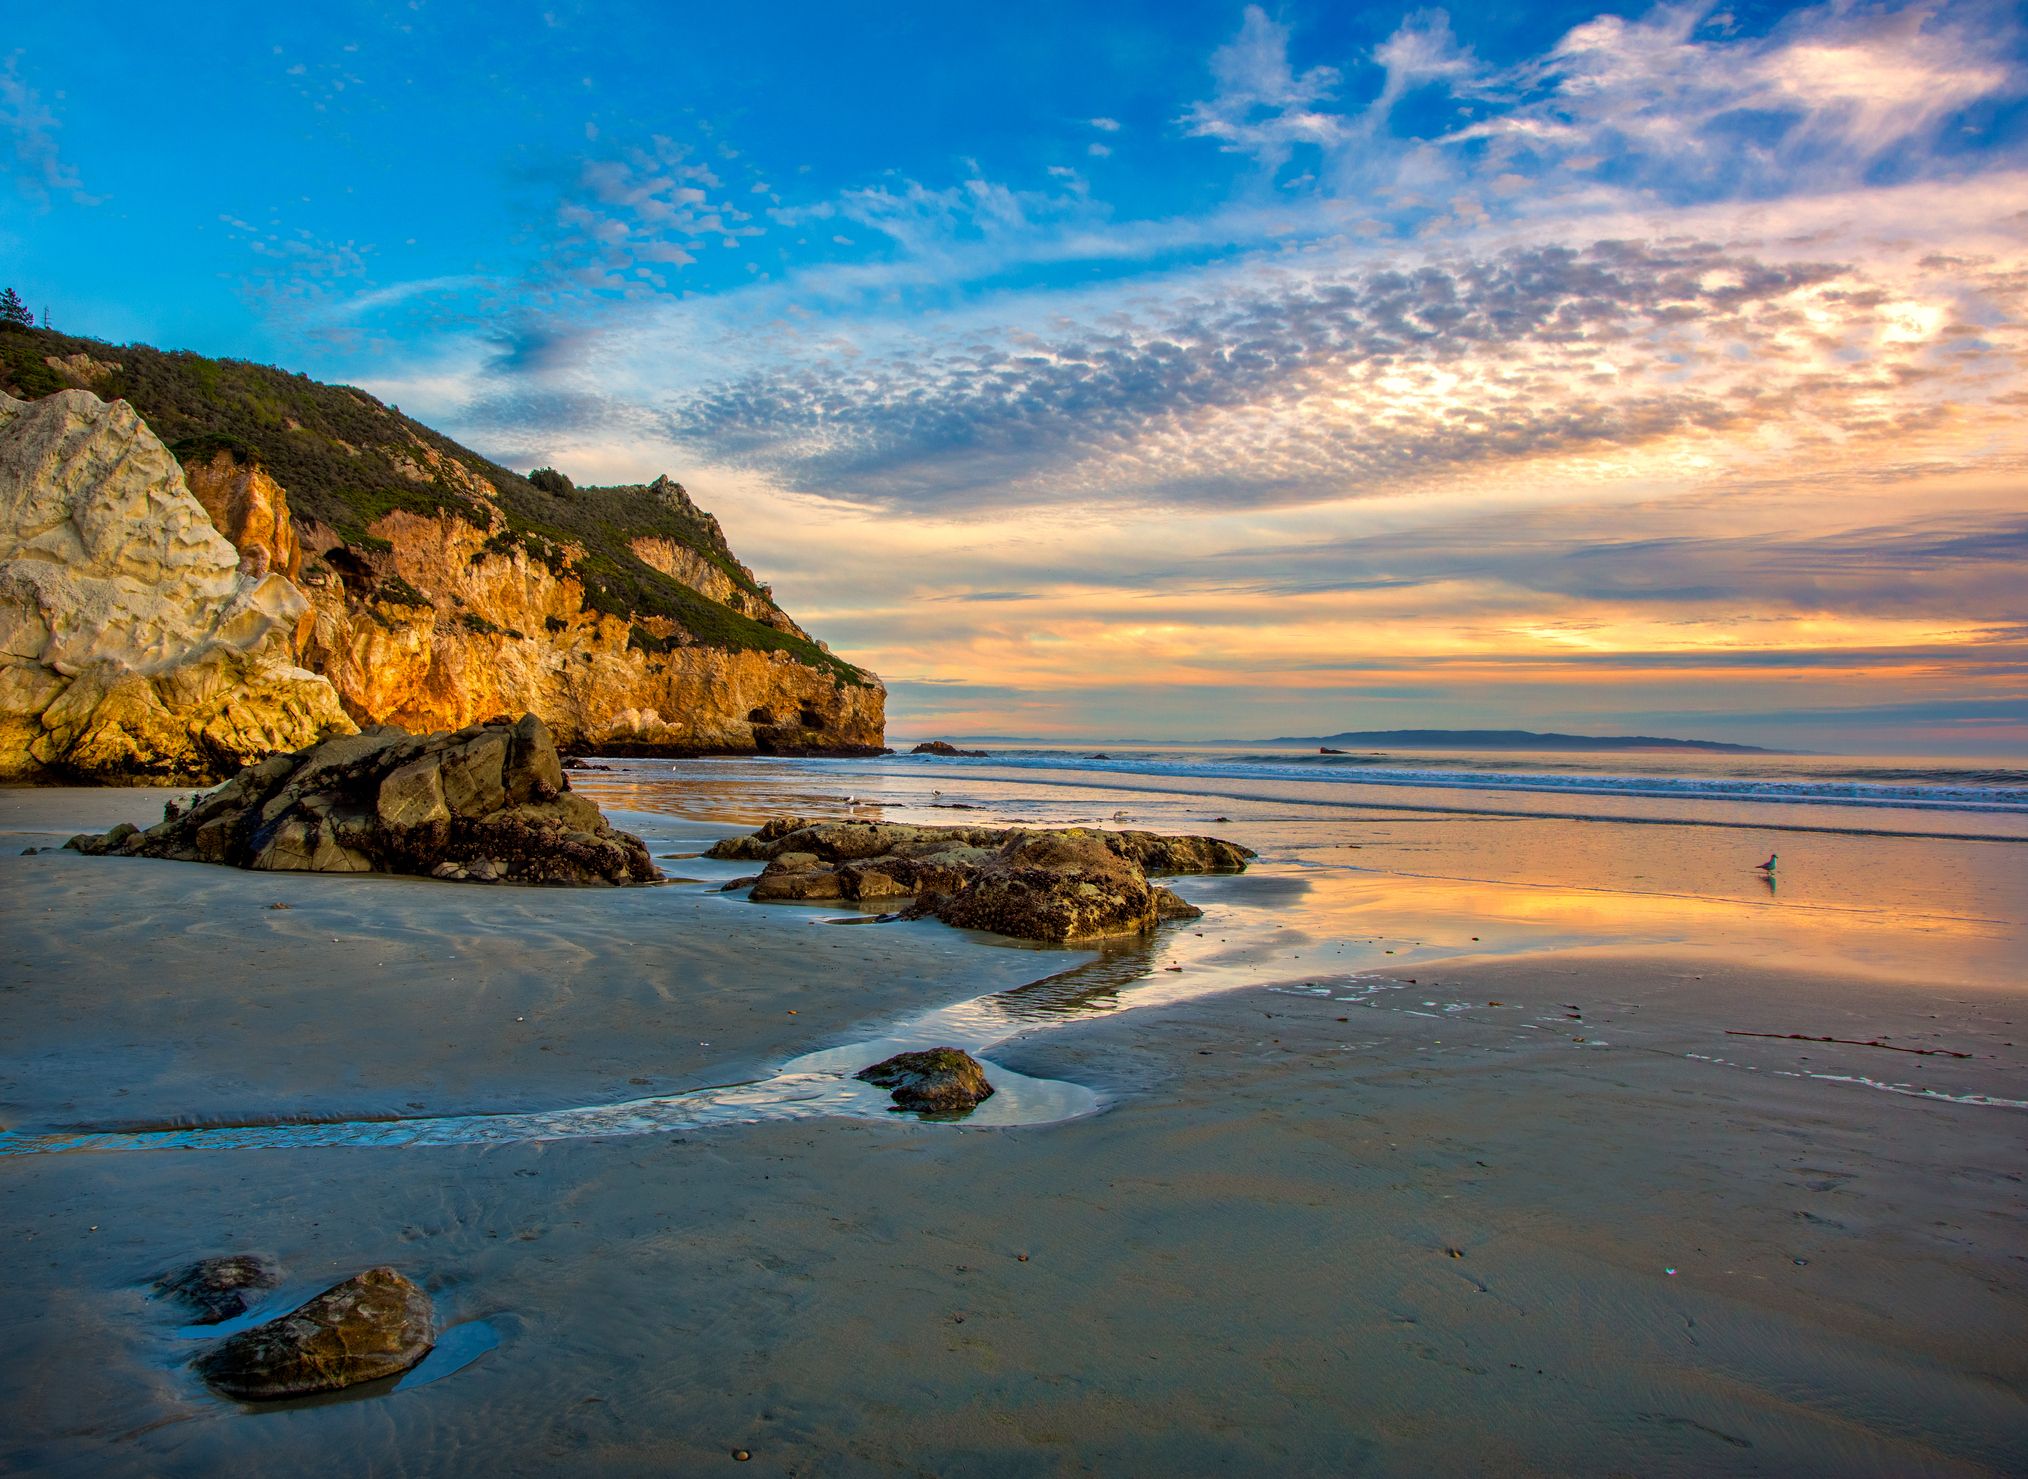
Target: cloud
[
  {"x": 632, "y": 218},
  {"x": 1290, "y": 385},
  {"x": 301, "y": 277},
  {"x": 1664, "y": 102},
  {"x": 1421, "y": 51},
  {"x": 40, "y": 171},
  {"x": 1262, "y": 105},
  {"x": 1946, "y": 566},
  {"x": 1675, "y": 358},
  {"x": 1661, "y": 103}
]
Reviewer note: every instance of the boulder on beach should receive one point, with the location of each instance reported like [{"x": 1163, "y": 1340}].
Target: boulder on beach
[
  {"x": 218, "y": 1289},
  {"x": 374, "y": 1324},
  {"x": 488, "y": 803},
  {"x": 935, "y": 1081},
  {"x": 134, "y": 643},
  {"x": 1069, "y": 883},
  {"x": 943, "y": 747}
]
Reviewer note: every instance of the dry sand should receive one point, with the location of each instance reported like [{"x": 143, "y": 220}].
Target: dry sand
[{"x": 1347, "y": 1225}]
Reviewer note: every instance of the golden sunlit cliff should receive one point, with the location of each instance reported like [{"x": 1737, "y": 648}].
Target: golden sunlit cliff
[{"x": 423, "y": 585}]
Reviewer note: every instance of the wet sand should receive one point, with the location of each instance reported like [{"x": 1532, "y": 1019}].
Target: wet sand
[{"x": 1243, "y": 1263}]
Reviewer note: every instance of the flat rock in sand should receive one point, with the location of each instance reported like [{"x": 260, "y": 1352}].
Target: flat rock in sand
[
  {"x": 374, "y": 1324},
  {"x": 220, "y": 1288}
]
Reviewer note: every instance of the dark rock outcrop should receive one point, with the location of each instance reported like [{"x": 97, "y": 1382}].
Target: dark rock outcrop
[
  {"x": 220, "y": 1288},
  {"x": 936, "y": 1081},
  {"x": 489, "y": 803},
  {"x": 374, "y": 1324},
  {"x": 1069, "y": 884},
  {"x": 944, "y": 747}
]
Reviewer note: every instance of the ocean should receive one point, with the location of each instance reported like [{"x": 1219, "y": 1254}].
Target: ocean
[{"x": 1885, "y": 865}]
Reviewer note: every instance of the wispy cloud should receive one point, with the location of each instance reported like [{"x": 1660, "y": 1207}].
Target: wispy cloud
[
  {"x": 1262, "y": 105},
  {"x": 295, "y": 271},
  {"x": 40, "y": 170},
  {"x": 1669, "y": 102},
  {"x": 635, "y": 218}
]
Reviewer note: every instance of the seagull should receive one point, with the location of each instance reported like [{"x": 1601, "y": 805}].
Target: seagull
[{"x": 1769, "y": 865}]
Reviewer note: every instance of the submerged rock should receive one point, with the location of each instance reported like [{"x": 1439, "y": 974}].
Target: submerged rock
[
  {"x": 374, "y": 1324},
  {"x": 220, "y": 1288},
  {"x": 489, "y": 803},
  {"x": 936, "y": 1081},
  {"x": 1064, "y": 884},
  {"x": 943, "y": 747}
]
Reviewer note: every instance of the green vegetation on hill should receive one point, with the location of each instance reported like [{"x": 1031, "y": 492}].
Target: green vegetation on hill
[{"x": 348, "y": 460}]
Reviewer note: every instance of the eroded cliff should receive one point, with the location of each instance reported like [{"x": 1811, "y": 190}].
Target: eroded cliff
[
  {"x": 438, "y": 589},
  {"x": 450, "y": 624}
]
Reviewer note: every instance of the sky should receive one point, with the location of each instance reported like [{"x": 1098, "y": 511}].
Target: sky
[{"x": 1171, "y": 370}]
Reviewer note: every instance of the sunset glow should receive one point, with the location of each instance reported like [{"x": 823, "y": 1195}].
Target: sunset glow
[{"x": 1265, "y": 373}]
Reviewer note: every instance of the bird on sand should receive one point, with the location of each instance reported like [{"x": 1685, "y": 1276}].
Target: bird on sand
[{"x": 1769, "y": 865}]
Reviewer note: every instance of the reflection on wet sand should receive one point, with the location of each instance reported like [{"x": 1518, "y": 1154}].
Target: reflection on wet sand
[{"x": 1407, "y": 892}]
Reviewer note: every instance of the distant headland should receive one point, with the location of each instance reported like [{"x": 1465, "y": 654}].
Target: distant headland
[{"x": 1510, "y": 739}]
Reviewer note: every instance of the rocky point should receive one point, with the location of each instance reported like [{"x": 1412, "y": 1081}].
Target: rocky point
[{"x": 486, "y": 804}]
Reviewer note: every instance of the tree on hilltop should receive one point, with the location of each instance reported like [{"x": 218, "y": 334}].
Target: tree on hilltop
[{"x": 13, "y": 312}]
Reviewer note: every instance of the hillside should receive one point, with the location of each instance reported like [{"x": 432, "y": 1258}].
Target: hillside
[
  {"x": 348, "y": 460},
  {"x": 448, "y": 588}
]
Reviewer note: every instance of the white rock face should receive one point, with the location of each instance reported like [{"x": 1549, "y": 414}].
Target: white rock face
[{"x": 131, "y": 646}]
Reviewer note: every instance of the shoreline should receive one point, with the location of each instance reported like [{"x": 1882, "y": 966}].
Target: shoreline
[{"x": 1243, "y": 1262}]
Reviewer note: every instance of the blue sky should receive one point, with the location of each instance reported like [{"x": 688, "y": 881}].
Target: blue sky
[{"x": 1103, "y": 369}]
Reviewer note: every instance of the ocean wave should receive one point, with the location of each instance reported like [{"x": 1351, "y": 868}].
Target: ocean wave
[{"x": 1895, "y": 789}]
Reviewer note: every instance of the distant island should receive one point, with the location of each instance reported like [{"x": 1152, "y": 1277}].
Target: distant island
[{"x": 1509, "y": 739}]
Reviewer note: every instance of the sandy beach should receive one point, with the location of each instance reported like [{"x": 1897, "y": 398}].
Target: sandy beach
[
  {"x": 973, "y": 742},
  {"x": 1528, "y": 1202}
]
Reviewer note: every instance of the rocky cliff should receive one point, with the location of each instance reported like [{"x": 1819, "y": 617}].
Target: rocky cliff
[
  {"x": 439, "y": 589},
  {"x": 134, "y": 641},
  {"x": 445, "y": 626}
]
